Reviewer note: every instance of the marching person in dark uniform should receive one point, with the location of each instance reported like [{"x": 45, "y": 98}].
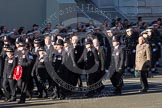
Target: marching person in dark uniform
[
  {"x": 34, "y": 52},
  {"x": 76, "y": 51},
  {"x": 10, "y": 64},
  {"x": 130, "y": 45},
  {"x": 30, "y": 88},
  {"x": 66, "y": 72},
  {"x": 143, "y": 62},
  {"x": 67, "y": 62},
  {"x": 91, "y": 65},
  {"x": 48, "y": 48},
  {"x": 104, "y": 42},
  {"x": 118, "y": 56},
  {"x": 101, "y": 71},
  {"x": 24, "y": 60},
  {"x": 109, "y": 58},
  {"x": 1, "y": 74},
  {"x": 40, "y": 72},
  {"x": 156, "y": 40},
  {"x": 2, "y": 62},
  {"x": 154, "y": 50},
  {"x": 54, "y": 93},
  {"x": 150, "y": 39},
  {"x": 57, "y": 62}
]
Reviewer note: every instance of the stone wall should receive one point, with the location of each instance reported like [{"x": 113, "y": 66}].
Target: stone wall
[
  {"x": 16, "y": 13},
  {"x": 139, "y": 6}
]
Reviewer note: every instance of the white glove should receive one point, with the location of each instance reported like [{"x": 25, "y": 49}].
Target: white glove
[
  {"x": 154, "y": 49},
  {"x": 134, "y": 51},
  {"x": 107, "y": 71}
]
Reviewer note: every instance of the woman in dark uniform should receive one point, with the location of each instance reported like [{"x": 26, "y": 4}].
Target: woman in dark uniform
[
  {"x": 10, "y": 64},
  {"x": 41, "y": 73}
]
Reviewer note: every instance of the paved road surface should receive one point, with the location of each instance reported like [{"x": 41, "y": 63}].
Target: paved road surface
[{"x": 131, "y": 98}]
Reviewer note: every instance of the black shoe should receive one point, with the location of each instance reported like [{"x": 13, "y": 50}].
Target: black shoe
[
  {"x": 117, "y": 92},
  {"x": 39, "y": 96},
  {"x": 30, "y": 98},
  {"x": 62, "y": 97},
  {"x": 21, "y": 101},
  {"x": 99, "y": 90},
  {"x": 90, "y": 94},
  {"x": 6, "y": 100},
  {"x": 12, "y": 99},
  {"x": 54, "y": 97},
  {"x": 46, "y": 96},
  {"x": 143, "y": 91}
]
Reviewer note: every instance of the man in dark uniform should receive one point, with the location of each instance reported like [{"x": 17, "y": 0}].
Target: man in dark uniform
[
  {"x": 53, "y": 89},
  {"x": 156, "y": 39},
  {"x": 91, "y": 65},
  {"x": 1, "y": 73},
  {"x": 66, "y": 69},
  {"x": 67, "y": 62},
  {"x": 10, "y": 64},
  {"x": 57, "y": 62},
  {"x": 130, "y": 45},
  {"x": 104, "y": 42},
  {"x": 101, "y": 70},
  {"x": 111, "y": 34},
  {"x": 2, "y": 62},
  {"x": 24, "y": 60},
  {"x": 48, "y": 48},
  {"x": 76, "y": 52},
  {"x": 118, "y": 56}
]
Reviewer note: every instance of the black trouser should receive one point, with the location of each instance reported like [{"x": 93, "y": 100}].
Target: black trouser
[
  {"x": 30, "y": 87},
  {"x": 143, "y": 80},
  {"x": 12, "y": 88},
  {"x": 117, "y": 80},
  {"x": 98, "y": 79},
  {"x": 23, "y": 84},
  {"x": 41, "y": 81},
  {"x": 36, "y": 81},
  {"x": 91, "y": 82},
  {"x": 50, "y": 81},
  {"x": 130, "y": 59},
  {"x": 1, "y": 93}
]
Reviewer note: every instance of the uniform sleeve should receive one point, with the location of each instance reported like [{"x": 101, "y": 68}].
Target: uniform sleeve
[
  {"x": 1, "y": 66},
  {"x": 34, "y": 67},
  {"x": 102, "y": 56},
  {"x": 122, "y": 56},
  {"x": 14, "y": 65}
]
